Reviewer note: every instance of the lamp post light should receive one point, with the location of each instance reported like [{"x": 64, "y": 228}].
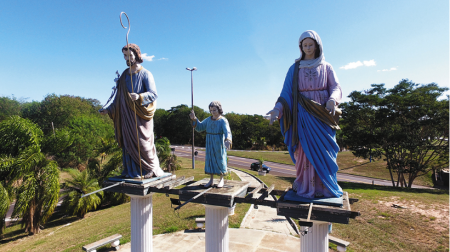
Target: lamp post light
[{"x": 192, "y": 107}]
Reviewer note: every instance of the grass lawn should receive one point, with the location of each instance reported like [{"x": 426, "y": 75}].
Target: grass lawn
[
  {"x": 56, "y": 236},
  {"x": 422, "y": 226},
  {"x": 347, "y": 162}
]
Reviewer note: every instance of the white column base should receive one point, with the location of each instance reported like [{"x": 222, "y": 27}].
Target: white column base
[
  {"x": 141, "y": 223},
  {"x": 316, "y": 239},
  {"x": 216, "y": 230}
]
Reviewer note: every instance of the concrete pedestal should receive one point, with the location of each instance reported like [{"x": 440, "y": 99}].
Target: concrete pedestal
[
  {"x": 316, "y": 239},
  {"x": 141, "y": 223},
  {"x": 216, "y": 230}
]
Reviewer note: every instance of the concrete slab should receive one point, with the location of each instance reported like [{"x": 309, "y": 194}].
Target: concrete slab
[
  {"x": 245, "y": 240},
  {"x": 245, "y": 236}
]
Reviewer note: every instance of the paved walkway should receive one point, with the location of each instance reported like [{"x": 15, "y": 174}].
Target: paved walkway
[
  {"x": 261, "y": 230},
  {"x": 263, "y": 218}
]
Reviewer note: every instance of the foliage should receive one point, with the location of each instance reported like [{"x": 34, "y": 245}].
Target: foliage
[
  {"x": 60, "y": 110},
  {"x": 16, "y": 134},
  {"x": 80, "y": 183},
  {"x": 167, "y": 161},
  {"x": 160, "y": 121},
  {"x": 175, "y": 124},
  {"x": 407, "y": 125},
  {"x": 36, "y": 178},
  {"x": 55, "y": 144},
  {"x": 162, "y": 146},
  {"x": 5, "y": 201},
  {"x": 9, "y": 107},
  {"x": 172, "y": 163},
  {"x": 86, "y": 136}
]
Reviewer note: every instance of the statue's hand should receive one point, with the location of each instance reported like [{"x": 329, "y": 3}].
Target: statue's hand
[
  {"x": 134, "y": 96},
  {"x": 116, "y": 80},
  {"x": 103, "y": 111},
  {"x": 273, "y": 115},
  {"x": 227, "y": 144},
  {"x": 192, "y": 115},
  {"x": 331, "y": 106}
]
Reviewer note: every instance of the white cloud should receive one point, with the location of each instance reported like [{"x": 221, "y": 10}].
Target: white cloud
[
  {"x": 369, "y": 63},
  {"x": 163, "y": 59},
  {"x": 147, "y": 58},
  {"x": 388, "y": 70},
  {"x": 358, "y": 63}
]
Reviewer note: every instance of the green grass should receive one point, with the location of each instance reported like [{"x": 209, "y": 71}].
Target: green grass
[
  {"x": 384, "y": 228},
  {"x": 102, "y": 223},
  {"x": 347, "y": 162}
]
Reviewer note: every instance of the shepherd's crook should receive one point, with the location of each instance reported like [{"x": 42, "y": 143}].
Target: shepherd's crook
[
  {"x": 192, "y": 100},
  {"x": 132, "y": 88}
]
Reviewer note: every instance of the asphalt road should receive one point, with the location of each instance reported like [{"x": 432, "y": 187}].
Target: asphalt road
[{"x": 282, "y": 169}]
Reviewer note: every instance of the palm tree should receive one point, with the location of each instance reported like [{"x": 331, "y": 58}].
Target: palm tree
[
  {"x": 5, "y": 201},
  {"x": 172, "y": 163},
  {"x": 162, "y": 149},
  {"x": 36, "y": 176},
  {"x": 80, "y": 183},
  {"x": 37, "y": 195}
]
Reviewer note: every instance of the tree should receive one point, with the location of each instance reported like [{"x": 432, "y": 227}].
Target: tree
[
  {"x": 177, "y": 127},
  {"x": 36, "y": 177},
  {"x": 5, "y": 201},
  {"x": 407, "y": 125},
  {"x": 81, "y": 183},
  {"x": 61, "y": 110},
  {"x": 9, "y": 107},
  {"x": 162, "y": 146},
  {"x": 166, "y": 160}
]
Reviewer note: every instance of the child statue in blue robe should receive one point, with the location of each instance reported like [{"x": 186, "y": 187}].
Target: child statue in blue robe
[{"x": 218, "y": 141}]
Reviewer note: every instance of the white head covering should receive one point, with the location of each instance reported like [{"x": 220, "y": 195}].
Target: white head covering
[{"x": 314, "y": 62}]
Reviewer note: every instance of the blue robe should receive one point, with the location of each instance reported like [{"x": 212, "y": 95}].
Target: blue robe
[
  {"x": 217, "y": 131},
  {"x": 317, "y": 139},
  {"x": 125, "y": 124}
]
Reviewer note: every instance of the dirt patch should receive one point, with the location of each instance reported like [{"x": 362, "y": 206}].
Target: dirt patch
[{"x": 438, "y": 214}]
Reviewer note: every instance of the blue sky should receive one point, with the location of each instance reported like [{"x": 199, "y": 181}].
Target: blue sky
[{"x": 242, "y": 49}]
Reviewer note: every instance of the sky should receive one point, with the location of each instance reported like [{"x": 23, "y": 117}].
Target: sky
[{"x": 242, "y": 49}]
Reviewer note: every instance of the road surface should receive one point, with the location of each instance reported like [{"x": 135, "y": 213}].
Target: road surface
[{"x": 282, "y": 169}]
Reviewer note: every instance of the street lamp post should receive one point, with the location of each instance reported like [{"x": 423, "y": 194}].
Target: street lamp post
[{"x": 192, "y": 107}]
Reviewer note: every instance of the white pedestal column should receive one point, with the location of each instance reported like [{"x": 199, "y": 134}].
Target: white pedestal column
[
  {"x": 216, "y": 230},
  {"x": 141, "y": 223},
  {"x": 316, "y": 239}
]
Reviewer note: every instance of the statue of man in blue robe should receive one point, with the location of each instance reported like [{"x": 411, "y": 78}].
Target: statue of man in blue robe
[{"x": 132, "y": 112}]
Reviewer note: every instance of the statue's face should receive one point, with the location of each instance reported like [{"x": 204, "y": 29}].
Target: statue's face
[
  {"x": 214, "y": 112},
  {"x": 309, "y": 47},
  {"x": 128, "y": 55}
]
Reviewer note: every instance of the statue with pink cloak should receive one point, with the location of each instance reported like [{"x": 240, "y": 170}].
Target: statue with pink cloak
[{"x": 308, "y": 119}]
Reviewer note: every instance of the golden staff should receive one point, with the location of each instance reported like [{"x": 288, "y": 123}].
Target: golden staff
[{"x": 132, "y": 87}]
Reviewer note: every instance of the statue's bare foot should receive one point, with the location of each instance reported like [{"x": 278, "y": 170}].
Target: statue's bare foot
[
  {"x": 221, "y": 182},
  {"x": 148, "y": 175},
  {"x": 211, "y": 181}
]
